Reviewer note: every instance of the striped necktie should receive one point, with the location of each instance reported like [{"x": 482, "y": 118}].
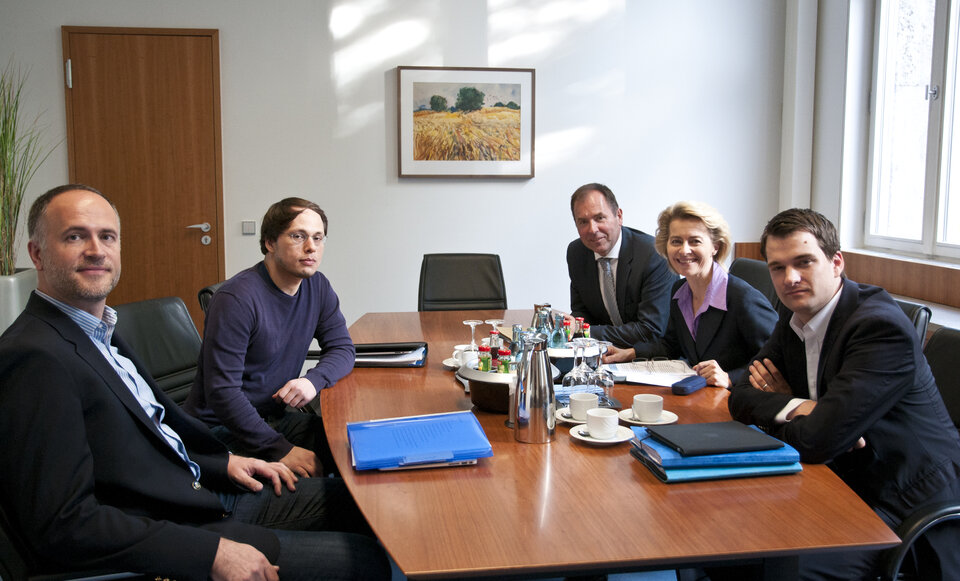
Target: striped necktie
[{"x": 609, "y": 293}]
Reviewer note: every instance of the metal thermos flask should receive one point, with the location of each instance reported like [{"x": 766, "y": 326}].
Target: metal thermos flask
[{"x": 534, "y": 401}]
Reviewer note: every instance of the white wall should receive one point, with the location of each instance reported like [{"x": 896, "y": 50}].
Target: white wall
[{"x": 660, "y": 100}]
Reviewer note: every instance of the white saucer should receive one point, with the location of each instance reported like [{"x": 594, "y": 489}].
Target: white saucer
[
  {"x": 450, "y": 364},
  {"x": 566, "y": 420},
  {"x": 623, "y": 434},
  {"x": 665, "y": 418}
]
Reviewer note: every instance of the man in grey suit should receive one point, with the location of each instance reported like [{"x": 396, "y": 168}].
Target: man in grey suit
[{"x": 618, "y": 282}]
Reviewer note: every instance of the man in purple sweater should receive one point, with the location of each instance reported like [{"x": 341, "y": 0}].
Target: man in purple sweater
[{"x": 258, "y": 330}]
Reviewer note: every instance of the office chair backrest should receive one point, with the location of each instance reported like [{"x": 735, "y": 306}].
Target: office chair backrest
[
  {"x": 919, "y": 315},
  {"x": 755, "y": 273},
  {"x": 206, "y": 295},
  {"x": 163, "y": 336},
  {"x": 943, "y": 352},
  {"x": 451, "y": 282}
]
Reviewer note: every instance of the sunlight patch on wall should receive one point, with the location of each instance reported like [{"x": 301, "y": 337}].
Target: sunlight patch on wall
[
  {"x": 372, "y": 51},
  {"x": 352, "y": 118},
  {"x": 562, "y": 147},
  {"x": 510, "y": 23},
  {"x": 348, "y": 17}
]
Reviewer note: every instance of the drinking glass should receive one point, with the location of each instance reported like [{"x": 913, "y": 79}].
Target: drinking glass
[
  {"x": 495, "y": 323},
  {"x": 604, "y": 377},
  {"x": 575, "y": 375},
  {"x": 473, "y": 332}
]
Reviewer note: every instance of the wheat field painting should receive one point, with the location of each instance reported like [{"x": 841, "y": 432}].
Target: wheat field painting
[{"x": 466, "y": 122}]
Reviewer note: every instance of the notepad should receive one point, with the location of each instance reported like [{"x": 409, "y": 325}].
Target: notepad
[
  {"x": 433, "y": 440},
  {"x": 663, "y": 372},
  {"x": 713, "y": 438}
]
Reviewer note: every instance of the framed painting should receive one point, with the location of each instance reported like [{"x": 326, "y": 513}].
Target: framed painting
[{"x": 465, "y": 122}]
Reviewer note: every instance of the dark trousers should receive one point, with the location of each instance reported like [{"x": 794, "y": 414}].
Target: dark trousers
[
  {"x": 322, "y": 533},
  {"x": 299, "y": 428}
]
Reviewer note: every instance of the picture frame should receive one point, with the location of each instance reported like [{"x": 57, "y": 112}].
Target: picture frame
[{"x": 466, "y": 122}]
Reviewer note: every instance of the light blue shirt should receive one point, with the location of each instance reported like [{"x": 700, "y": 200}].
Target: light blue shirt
[{"x": 100, "y": 332}]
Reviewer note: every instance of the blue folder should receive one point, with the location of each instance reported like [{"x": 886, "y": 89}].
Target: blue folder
[
  {"x": 447, "y": 439},
  {"x": 672, "y": 475},
  {"x": 669, "y": 458}
]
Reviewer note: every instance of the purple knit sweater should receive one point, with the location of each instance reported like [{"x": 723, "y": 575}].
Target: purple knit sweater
[{"x": 255, "y": 339}]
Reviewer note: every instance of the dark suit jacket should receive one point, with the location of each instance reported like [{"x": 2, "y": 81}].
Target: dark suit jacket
[
  {"x": 731, "y": 337},
  {"x": 643, "y": 290},
  {"x": 88, "y": 480},
  {"x": 872, "y": 381}
]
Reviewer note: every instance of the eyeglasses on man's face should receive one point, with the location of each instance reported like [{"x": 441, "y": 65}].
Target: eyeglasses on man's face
[{"x": 299, "y": 237}]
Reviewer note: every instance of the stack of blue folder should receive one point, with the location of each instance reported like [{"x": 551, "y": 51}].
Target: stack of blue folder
[{"x": 670, "y": 465}]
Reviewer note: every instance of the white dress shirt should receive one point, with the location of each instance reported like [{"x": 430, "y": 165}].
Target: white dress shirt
[{"x": 812, "y": 335}]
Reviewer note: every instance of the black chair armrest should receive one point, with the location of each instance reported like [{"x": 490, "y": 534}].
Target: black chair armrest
[{"x": 911, "y": 529}]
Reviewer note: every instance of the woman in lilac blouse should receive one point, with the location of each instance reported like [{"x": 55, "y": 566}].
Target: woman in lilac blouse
[{"x": 718, "y": 322}]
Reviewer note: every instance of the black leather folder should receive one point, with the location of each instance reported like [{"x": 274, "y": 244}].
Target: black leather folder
[
  {"x": 713, "y": 438},
  {"x": 412, "y": 354}
]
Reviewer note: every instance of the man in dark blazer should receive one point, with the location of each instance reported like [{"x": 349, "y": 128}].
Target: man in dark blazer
[
  {"x": 843, "y": 379},
  {"x": 103, "y": 471},
  {"x": 642, "y": 280}
]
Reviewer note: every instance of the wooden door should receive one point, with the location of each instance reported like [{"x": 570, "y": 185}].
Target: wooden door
[{"x": 143, "y": 127}]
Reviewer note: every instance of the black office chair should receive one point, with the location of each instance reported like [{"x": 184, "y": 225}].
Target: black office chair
[
  {"x": 452, "y": 282},
  {"x": 755, "y": 272},
  {"x": 163, "y": 335},
  {"x": 942, "y": 352},
  {"x": 919, "y": 315},
  {"x": 206, "y": 294}
]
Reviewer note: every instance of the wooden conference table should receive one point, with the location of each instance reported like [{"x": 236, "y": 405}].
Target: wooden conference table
[{"x": 568, "y": 507}]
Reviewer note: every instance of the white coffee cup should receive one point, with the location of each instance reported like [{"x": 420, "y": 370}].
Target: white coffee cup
[
  {"x": 602, "y": 423},
  {"x": 463, "y": 355},
  {"x": 580, "y": 402},
  {"x": 647, "y": 407}
]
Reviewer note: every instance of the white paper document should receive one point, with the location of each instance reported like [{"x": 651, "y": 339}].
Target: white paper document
[{"x": 664, "y": 372}]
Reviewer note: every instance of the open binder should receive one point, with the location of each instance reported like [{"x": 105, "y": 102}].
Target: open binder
[{"x": 412, "y": 354}]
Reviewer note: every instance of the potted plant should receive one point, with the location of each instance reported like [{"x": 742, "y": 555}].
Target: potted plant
[{"x": 21, "y": 154}]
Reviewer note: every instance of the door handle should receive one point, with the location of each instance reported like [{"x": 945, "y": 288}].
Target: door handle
[{"x": 205, "y": 227}]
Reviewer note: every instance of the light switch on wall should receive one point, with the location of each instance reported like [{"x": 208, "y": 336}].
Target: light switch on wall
[{"x": 248, "y": 227}]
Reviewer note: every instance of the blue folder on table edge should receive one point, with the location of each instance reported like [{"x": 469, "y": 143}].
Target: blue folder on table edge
[
  {"x": 671, "y": 466},
  {"x": 445, "y": 439}
]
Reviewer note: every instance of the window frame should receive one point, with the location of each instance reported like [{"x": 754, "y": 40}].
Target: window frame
[{"x": 938, "y": 150}]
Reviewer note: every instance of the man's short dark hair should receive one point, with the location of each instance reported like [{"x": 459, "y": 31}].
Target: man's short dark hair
[
  {"x": 280, "y": 215},
  {"x": 802, "y": 220},
  {"x": 585, "y": 189},
  {"x": 39, "y": 207}
]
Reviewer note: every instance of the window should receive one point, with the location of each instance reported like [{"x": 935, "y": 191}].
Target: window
[{"x": 915, "y": 172}]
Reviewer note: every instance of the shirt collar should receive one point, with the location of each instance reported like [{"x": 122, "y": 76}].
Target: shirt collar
[
  {"x": 97, "y": 329},
  {"x": 614, "y": 252},
  {"x": 817, "y": 325},
  {"x": 716, "y": 295}
]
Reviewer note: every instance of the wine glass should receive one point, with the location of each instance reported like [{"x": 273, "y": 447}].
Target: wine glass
[
  {"x": 577, "y": 375},
  {"x": 591, "y": 353},
  {"x": 473, "y": 332},
  {"x": 604, "y": 377},
  {"x": 495, "y": 323}
]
